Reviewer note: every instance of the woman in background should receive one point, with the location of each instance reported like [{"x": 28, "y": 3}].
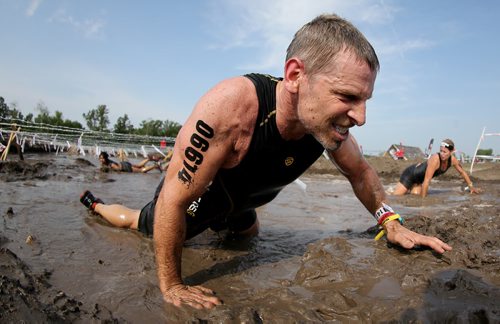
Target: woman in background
[
  {"x": 125, "y": 166},
  {"x": 416, "y": 178}
]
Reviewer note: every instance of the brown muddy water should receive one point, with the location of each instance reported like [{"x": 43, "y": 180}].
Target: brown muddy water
[{"x": 314, "y": 261}]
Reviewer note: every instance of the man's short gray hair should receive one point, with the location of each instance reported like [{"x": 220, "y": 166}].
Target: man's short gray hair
[{"x": 319, "y": 41}]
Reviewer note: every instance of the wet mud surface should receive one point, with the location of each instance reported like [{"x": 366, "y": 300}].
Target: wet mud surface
[{"x": 315, "y": 259}]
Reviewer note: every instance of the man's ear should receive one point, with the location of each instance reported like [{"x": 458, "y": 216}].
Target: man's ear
[{"x": 294, "y": 71}]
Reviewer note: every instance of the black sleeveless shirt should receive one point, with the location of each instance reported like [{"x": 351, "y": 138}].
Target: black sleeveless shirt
[{"x": 270, "y": 164}]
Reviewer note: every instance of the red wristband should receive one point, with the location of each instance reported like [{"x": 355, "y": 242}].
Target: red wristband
[{"x": 384, "y": 216}]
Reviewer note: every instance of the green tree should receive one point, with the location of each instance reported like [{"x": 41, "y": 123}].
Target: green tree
[
  {"x": 43, "y": 116},
  {"x": 4, "y": 108},
  {"x": 91, "y": 119},
  {"x": 171, "y": 128},
  {"x": 29, "y": 118},
  {"x": 14, "y": 112},
  {"x": 485, "y": 152},
  {"x": 123, "y": 125},
  {"x": 97, "y": 119},
  {"x": 151, "y": 127},
  {"x": 159, "y": 128},
  {"x": 58, "y": 119},
  {"x": 72, "y": 124}
]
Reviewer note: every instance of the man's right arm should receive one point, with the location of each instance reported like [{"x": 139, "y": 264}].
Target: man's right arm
[
  {"x": 169, "y": 237},
  {"x": 207, "y": 141},
  {"x": 197, "y": 157}
]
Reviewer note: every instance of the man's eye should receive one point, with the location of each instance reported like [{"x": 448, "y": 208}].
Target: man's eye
[{"x": 349, "y": 98}]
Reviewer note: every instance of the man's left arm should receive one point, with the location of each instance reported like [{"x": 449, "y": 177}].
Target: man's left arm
[{"x": 369, "y": 190}]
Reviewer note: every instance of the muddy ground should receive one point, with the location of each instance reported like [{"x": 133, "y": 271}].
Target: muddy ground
[{"x": 315, "y": 259}]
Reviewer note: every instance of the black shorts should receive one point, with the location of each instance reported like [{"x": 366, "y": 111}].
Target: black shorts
[
  {"x": 235, "y": 221},
  {"x": 146, "y": 218},
  {"x": 126, "y": 166},
  {"x": 407, "y": 178}
]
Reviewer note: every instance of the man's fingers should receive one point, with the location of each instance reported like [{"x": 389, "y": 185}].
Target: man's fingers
[
  {"x": 207, "y": 295},
  {"x": 194, "y": 302},
  {"x": 408, "y": 239},
  {"x": 196, "y": 305},
  {"x": 201, "y": 302},
  {"x": 432, "y": 242},
  {"x": 437, "y": 245},
  {"x": 204, "y": 289},
  {"x": 197, "y": 297}
]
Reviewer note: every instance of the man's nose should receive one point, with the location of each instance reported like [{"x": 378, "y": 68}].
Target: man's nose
[{"x": 357, "y": 114}]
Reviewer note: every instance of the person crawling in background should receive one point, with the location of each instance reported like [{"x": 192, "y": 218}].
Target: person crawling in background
[
  {"x": 416, "y": 178},
  {"x": 125, "y": 166}
]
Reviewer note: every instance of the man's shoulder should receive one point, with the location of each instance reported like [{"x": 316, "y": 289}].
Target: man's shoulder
[
  {"x": 237, "y": 93},
  {"x": 239, "y": 85},
  {"x": 230, "y": 105}
]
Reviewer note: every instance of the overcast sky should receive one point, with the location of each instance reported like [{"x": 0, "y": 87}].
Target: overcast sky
[{"x": 439, "y": 78}]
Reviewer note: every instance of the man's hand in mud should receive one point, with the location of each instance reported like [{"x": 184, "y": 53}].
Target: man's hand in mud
[
  {"x": 398, "y": 234},
  {"x": 195, "y": 296}
]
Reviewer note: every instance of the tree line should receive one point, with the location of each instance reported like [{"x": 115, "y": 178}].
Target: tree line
[{"x": 96, "y": 119}]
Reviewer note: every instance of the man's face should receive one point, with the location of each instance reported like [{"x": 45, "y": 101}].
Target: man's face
[{"x": 331, "y": 102}]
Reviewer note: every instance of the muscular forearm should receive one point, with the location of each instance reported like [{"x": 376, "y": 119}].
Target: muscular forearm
[
  {"x": 169, "y": 236},
  {"x": 368, "y": 189}
]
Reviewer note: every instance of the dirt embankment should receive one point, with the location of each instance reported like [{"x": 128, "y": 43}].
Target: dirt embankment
[{"x": 389, "y": 169}]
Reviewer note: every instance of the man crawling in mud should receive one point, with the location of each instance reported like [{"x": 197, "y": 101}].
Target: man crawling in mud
[{"x": 250, "y": 136}]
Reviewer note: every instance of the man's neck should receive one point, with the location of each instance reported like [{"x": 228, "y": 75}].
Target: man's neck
[{"x": 287, "y": 119}]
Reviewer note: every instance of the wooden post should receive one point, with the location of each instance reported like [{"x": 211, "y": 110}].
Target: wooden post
[{"x": 11, "y": 138}]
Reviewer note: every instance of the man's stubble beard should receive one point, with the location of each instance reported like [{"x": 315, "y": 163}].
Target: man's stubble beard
[{"x": 330, "y": 145}]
